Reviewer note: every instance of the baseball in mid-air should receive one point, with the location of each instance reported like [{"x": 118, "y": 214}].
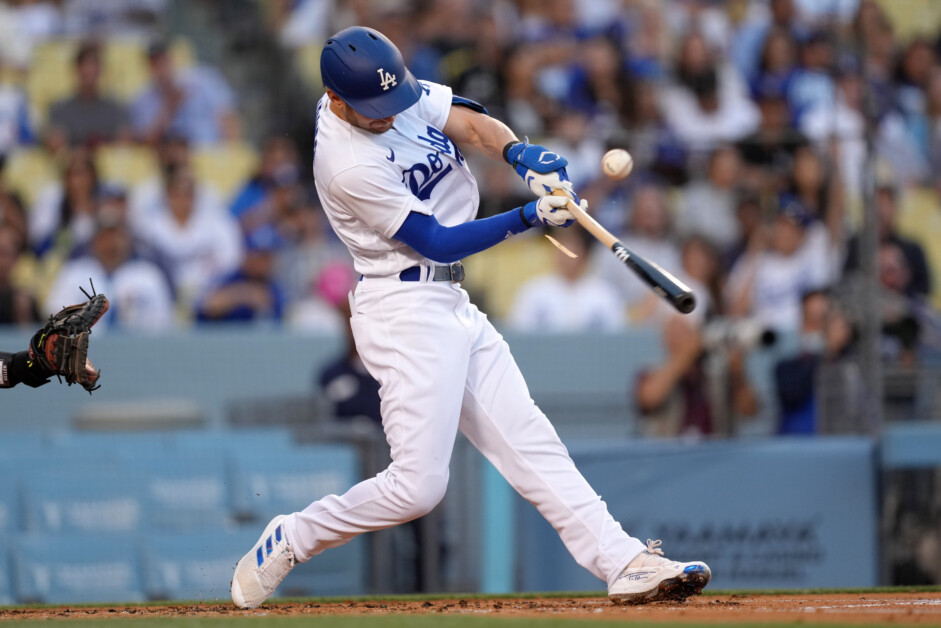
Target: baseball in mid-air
[{"x": 617, "y": 163}]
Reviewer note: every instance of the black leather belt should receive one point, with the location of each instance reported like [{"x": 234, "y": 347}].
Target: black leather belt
[{"x": 453, "y": 272}]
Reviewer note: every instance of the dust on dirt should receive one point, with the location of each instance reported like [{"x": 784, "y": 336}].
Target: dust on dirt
[{"x": 843, "y": 608}]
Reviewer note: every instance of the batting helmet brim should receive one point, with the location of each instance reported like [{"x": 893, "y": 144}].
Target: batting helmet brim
[{"x": 393, "y": 102}]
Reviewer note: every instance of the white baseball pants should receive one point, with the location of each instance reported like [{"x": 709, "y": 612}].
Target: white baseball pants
[{"x": 443, "y": 367}]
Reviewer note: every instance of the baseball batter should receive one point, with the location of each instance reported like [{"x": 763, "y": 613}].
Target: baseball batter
[{"x": 394, "y": 183}]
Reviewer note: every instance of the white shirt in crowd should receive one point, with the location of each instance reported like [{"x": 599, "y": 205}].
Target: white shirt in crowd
[
  {"x": 208, "y": 245},
  {"x": 140, "y": 296},
  {"x": 780, "y": 281},
  {"x": 551, "y": 303},
  {"x": 735, "y": 117}
]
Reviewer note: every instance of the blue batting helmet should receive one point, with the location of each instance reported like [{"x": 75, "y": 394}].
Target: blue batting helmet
[{"x": 366, "y": 70}]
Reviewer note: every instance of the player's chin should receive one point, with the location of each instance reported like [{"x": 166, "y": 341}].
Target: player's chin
[{"x": 379, "y": 129}]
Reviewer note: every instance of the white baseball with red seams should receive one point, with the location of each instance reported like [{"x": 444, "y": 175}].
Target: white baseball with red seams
[{"x": 617, "y": 163}]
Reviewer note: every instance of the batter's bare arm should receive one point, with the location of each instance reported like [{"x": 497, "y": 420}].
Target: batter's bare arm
[
  {"x": 540, "y": 169},
  {"x": 468, "y": 128}
]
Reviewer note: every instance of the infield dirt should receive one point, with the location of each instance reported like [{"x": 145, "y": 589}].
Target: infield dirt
[{"x": 922, "y": 608}]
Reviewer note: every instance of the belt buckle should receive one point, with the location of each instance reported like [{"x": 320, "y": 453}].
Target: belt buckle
[{"x": 456, "y": 272}]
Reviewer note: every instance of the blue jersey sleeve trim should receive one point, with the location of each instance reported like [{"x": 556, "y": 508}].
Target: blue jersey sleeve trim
[{"x": 460, "y": 101}]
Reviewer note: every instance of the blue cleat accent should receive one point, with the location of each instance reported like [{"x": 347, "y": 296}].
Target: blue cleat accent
[
  {"x": 277, "y": 534},
  {"x": 268, "y": 546},
  {"x": 694, "y": 569},
  {"x": 259, "y": 555}
]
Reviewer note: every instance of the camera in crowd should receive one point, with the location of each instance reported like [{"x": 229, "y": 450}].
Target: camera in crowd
[{"x": 743, "y": 333}]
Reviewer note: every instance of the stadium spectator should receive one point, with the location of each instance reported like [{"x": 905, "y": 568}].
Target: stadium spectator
[
  {"x": 325, "y": 308},
  {"x": 63, "y": 216},
  {"x": 696, "y": 391},
  {"x": 572, "y": 298},
  {"x": 17, "y": 306},
  {"x": 250, "y": 293},
  {"x": 271, "y": 193},
  {"x": 776, "y": 67},
  {"x": 707, "y": 206},
  {"x": 12, "y": 213},
  {"x": 87, "y": 118},
  {"x": 198, "y": 242},
  {"x": 919, "y": 282},
  {"x": 311, "y": 248},
  {"x": 650, "y": 235},
  {"x": 131, "y": 20},
  {"x": 767, "y": 154},
  {"x": 745, "y": 51},
  {"x": 148, "y": 198},
  {"x": 769, "y": 279},
  {"x": 812, "y": 84},
  {"x": 140, "y": 295},
  {"x": 900, "y": 326},
  {"x": 845, "y": 121},
  {"x": 344, "y": 381},
  {"x": 707, "y": 104},
  {"x": 933, "y": 120},
  {"x": 195, "y": 103},
  {"x": 15, "y": 127},
  {"x": 826, "y": 339}
]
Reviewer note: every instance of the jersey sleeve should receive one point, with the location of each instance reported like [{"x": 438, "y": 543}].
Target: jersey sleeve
[
  {"x": 434, "y": 106},
  {"x": 373, "y": 195}
]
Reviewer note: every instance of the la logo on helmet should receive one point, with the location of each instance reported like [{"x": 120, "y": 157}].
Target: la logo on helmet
[{"x": 386, "y": 79}]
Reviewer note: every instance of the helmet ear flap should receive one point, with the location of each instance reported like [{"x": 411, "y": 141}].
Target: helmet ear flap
[{"x": 366, "y": 70}]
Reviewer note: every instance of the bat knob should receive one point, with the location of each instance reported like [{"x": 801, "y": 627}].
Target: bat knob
[{"x": 685, "y": 303}]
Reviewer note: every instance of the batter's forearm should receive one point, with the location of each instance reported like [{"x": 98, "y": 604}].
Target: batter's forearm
[{"x": 493, "y": 136}]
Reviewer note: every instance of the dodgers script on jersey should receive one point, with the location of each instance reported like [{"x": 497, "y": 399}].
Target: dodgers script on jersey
[{"x": 369, "y": 183}]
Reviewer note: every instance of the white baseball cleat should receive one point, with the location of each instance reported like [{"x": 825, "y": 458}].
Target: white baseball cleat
[
  {"x": 653, "y": 578},
  {"x": 262, "y": 569}
]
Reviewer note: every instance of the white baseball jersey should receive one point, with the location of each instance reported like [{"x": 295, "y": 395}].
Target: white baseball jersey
[{"x": 369, "y": 183}]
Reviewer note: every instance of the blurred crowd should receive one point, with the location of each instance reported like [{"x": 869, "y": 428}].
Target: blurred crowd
[{"x": 751, "y": 123}]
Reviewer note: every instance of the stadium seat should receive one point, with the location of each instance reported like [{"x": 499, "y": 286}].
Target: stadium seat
[
  {"x": 98, "y": 496},
  {"x": 307, "y": 59},
  {"x": 183, "y": 489},
  {"x": 27, "y": 172},
  {"x": 271, "y": 481},
  {"x": 124, "y": 69},
  {"x": 6, "y": 586},
  {"x": 126, "y": 165},
  {"x": 9, "y": 503},
  {"x": 115, "y": 446},
  {"x": 193, "y": 565},
  {"x": 77, "y": 568},
  {"x": 225, "y": 167},
  {"x": 240, "y": 441},
  {"x": 51, "y": 76},
  {"x": 508, "y": 267}
]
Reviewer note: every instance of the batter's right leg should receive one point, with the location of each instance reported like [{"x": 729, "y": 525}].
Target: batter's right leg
[{"x": 413, "y": 343}]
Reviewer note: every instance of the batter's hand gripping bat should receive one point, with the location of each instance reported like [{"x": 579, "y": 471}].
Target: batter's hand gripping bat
[{"x": 674, "y": 291}]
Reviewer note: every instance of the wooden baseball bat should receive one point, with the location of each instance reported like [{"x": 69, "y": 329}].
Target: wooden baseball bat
[{"x": 674, "y": 291}]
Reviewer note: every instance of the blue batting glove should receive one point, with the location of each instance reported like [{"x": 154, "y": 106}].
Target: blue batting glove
[{"x": 541, "y": 169}]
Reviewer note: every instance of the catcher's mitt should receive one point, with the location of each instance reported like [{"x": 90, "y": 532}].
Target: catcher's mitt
[{"x": 61, "y": 347}]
